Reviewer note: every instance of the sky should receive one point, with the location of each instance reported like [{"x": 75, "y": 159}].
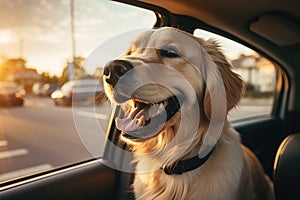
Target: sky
[{"x": 39, "y": 30}]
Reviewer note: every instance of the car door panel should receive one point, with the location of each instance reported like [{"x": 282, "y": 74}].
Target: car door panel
[{"x": 92, "y": 180}]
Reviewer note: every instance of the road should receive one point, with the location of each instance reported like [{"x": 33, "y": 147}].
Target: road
[
  {"x": 41, "y": 136},
  {"x": 251, "y": 108}
]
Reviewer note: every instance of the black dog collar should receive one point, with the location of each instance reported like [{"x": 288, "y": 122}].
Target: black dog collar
[{"x": 186, "y": 165}]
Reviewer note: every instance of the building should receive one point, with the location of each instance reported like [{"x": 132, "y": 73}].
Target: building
[
  {"x": 15, "y": 70},
  {"x": 258, "y": 73},
  {"x": 25, "y": 77}
]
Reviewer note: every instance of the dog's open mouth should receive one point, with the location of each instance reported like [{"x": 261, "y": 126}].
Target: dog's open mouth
[{"x": 147, "y": 118}]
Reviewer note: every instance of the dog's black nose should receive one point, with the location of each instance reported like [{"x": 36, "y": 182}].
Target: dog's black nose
[{"x": 115, "y": 69}]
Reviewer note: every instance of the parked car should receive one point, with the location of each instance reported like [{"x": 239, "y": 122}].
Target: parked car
[
  {"x": 37, "y": 88},
  {"x": 11, "y": 94},
  {"x": 271, "y": 28},
  {"x": 77, "y": 91},
  {"x": 49, "y": 88}
]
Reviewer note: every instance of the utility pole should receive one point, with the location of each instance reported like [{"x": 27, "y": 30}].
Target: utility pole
[
  {"x": 21, "y": 48},
  {"x": 71, "y": 65},
  {"x": 72, "y": 18}
]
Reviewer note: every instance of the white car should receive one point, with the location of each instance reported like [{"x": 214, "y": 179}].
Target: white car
[{"x": 77, "y": 91}]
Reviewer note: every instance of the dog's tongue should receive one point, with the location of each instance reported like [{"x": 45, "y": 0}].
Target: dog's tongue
[{"x": 138, "y": 117}]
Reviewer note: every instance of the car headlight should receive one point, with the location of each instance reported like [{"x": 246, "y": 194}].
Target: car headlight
[{"x": 57, "y": 94}]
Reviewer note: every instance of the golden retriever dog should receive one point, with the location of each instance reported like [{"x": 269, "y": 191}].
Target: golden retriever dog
[{"x": 175, "y": 91}]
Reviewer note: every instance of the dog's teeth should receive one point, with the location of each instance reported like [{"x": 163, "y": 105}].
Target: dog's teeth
[
  {"x": 161, "y": 107},
  {"x": 156, "y": 109},
  {"x": 153, "y": 110}
]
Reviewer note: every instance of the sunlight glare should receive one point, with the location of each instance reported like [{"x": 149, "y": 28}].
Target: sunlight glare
[{"x": 5, "y": 37}]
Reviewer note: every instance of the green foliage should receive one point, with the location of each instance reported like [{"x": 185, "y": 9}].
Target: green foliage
[
  {"x": 249, "y": 86},
  {"x": 13, "y": 63},
  {"x": 9, "y": 65},
  {"x": 47, "y": 78},
  {"x": 80, "y": 72}
]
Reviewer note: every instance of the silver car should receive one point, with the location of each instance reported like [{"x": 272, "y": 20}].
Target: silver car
[{"x": 77, "y": 91}]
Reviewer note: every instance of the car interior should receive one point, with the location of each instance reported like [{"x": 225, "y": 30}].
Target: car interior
[{"x": 271, "y": 28}]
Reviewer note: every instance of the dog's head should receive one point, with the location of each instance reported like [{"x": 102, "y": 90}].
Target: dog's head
[{"x": 169, "y": 82}]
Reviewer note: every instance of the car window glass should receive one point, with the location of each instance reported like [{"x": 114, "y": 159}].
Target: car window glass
[
  {"x": 257, "y": 72},
  {"x": 44, "y": 45}
]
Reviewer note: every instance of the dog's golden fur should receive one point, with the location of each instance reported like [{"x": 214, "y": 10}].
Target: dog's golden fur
[{"x": 200, "y": 73}]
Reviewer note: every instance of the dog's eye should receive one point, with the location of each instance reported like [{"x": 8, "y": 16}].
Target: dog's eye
[{"x": 169, "y": 53}]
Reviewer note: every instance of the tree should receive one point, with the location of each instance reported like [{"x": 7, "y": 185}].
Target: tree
[
  {"x": 14, "y": 63},
  {"x": 80, "y": 72},
  {"x": 9, "y": 65},
  {"x": 47, "y": 78}
]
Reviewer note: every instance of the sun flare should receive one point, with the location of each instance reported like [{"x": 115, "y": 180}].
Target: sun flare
[{"x": 5, "y": 37}]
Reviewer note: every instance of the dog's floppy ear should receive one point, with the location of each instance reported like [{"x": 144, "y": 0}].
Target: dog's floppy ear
[{"x": 218, "y": 72}]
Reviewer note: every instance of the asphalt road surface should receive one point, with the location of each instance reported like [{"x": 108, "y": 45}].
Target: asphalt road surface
[{"x": 40, "y": 136}]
